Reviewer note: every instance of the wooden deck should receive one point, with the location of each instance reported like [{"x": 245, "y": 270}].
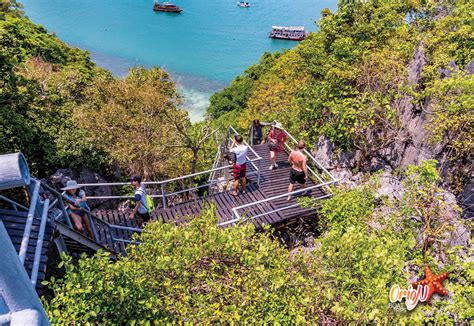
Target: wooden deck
[{"x": 272, "y": 183}]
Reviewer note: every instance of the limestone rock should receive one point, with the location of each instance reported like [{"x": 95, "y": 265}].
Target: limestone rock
[
  {"x": 390, "y": 186},
  {"x": 59, "y": 179}
]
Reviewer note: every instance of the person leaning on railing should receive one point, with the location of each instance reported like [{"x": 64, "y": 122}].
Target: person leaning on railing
[
  {"x": 256, "y": 133},
  {"x": 78, "y": 210}
]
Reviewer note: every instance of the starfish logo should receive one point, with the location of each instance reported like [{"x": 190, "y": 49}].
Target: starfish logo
[{"x": 420, "y": 291}]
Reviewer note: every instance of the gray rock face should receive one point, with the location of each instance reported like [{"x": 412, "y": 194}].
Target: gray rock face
[
  {"x": 59, "y": 179},
  {"x": 418, "y": 63},
  {"x": 448, "y": 72},
  {"x": 470, "y": 67},
  {"x": 390, "y": 186},
  {"x": 411, "y": 143},
  {"x": 458, "y": 233},
  {"x": 466, "y": 199},
  {"x": 340, "y": 164}
]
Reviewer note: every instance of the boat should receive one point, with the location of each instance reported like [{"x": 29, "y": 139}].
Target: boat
[
  {"x": 293, "y": 33},
  {"x": 243, "y": 4},
  {"x": 166, "y": 7}
]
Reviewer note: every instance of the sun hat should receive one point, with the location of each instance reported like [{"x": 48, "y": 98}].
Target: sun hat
[
  {"x": 278, "y": 125},
  {"x": 71, "y": 184}
]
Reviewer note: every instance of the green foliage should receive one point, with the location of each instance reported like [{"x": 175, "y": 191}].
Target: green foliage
[
  {"x": 130, "y": 119},
  {"x": 453, "y": 119},
  {"x": 425, "y": 200},
  {"x": 348, "y": 80},
  {"x": 60, "y": 110},
  {"x": 200, "y": 273},
  {"x": 10, "y": 6},
  {"x": 235, "y": 96},
  {"x": 42, "y": 81},
  {"x": 369, "y": 244},
  {"x": 194, "y": 273}
]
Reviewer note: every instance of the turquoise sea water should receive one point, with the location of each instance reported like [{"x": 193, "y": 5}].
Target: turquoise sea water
[{"x": 204, "y": 47}]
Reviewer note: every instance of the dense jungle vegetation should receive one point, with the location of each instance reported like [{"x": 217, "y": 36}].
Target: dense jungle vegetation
[{"x": 201, "y": 273}]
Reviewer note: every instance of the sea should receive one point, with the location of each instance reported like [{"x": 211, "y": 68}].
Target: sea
[{"x": 204, "y": 48}]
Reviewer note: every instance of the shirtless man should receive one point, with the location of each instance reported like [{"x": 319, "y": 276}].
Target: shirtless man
[{"x": 299, "y": 170}]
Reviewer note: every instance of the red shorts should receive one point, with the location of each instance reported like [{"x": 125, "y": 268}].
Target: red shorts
[{"x": 239, "y": 171}]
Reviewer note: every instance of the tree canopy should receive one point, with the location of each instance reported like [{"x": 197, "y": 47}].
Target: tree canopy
[{"x": 60, "y": 110}]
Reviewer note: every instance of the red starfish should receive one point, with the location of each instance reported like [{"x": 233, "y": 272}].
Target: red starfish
[{"x": 434, "y": 283}]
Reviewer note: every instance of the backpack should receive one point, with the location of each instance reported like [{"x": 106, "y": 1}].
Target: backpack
[{"x": 150, "y": 205}]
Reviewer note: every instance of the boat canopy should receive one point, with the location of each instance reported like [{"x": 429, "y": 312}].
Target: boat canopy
[{"x": 289, "y": 28}]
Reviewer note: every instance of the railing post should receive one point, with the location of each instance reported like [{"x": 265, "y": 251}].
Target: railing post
[
  {"x": 29, "y": 221},
  {"x": 63, "y": 208},
  {"x": 236, "y": 216},
  {"x": 39, "y": 243},
  {"x": 251, "y": 135},
  {"x": 163, "y": 194},
  {"x": 94, "y": 229},
  {"x": 113, "y": 233},
  {"x": 258, "y": 172}
]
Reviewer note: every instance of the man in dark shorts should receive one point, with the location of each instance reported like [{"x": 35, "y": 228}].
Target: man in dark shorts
[
  {"x": 140, "y": 212},
  {"x": 240, "y": 166},
  {"x": 299, "y": 169}
]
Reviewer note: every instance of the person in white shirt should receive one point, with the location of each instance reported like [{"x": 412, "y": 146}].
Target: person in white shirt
[{"x": 240, "y": 166}]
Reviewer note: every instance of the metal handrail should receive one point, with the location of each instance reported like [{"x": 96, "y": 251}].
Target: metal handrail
[
  {"x": 216, "y": 162},
  {"x": 238, "y": 217},
  {"x": 60, "y": 197},
  {"x": 33, "y": 210},
  {"x": 323, "y": 183},
  {"x": 250, "y": 147},
  {"x": 320, "y": 166},
  {"x": 161, "y": 183},
  {"x": 28, "y": 226},
  {"x": 119, "y": 197},
  {"x": 164, "y": 195},
  {"x": 14, "y": 204},
  {"x": 164, "y": 182},
  {"x": 39, "y": 242}
]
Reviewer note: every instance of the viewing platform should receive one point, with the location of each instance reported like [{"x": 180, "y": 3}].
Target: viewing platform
[{"x": 265, "y": 201}]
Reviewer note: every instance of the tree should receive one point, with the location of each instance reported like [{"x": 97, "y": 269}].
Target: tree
[
  {"x": 193, "y": 137},
  {"x": 131, "y": 120},
  {"x": 235, "y": 96},
  {"x": 42, "y": 81}
]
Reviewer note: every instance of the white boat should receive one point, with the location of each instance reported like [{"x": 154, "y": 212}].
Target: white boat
[
  {"x": 243, "y": 4},
  {"x": 294, "y": 33}
]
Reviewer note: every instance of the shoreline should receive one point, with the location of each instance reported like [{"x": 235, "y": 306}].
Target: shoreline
[{"x": 196, "y": 90}]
